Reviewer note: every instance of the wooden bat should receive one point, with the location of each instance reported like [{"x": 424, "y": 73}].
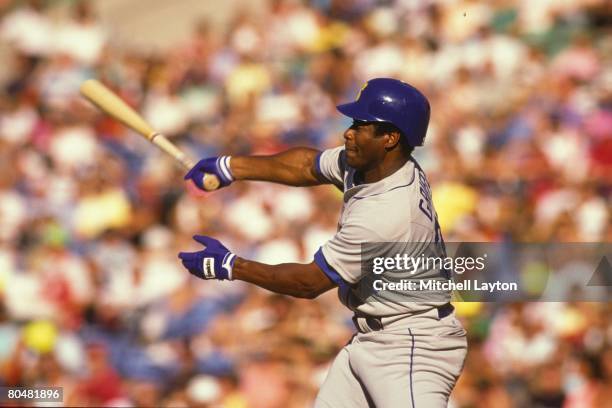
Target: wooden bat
[{"x": 109, "y": 102}]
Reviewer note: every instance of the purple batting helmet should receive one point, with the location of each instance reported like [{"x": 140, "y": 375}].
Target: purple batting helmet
[{"x": 392, "y": 101}]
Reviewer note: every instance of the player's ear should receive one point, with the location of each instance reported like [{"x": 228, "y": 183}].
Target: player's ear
[{"x": 393, "y": 139}]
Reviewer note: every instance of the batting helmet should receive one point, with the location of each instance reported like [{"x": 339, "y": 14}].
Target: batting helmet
[{"x": 392, "y": 101}]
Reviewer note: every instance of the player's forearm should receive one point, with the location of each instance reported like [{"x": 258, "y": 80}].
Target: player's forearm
[
  {"x": 293, "y": 279},
  {"x": 294, "y": 167}
]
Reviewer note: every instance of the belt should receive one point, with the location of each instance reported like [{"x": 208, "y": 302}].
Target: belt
[{"x": 376, "y": 324}]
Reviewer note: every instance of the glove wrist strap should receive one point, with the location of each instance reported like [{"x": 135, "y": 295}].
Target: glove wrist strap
[
  {"x": 224, "y": 167},
  {"x": 228, "y": 264}
]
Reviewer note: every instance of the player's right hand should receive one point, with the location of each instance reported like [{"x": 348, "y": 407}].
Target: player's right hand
[
  {"x": 215, "y": 261},
  {"x": 218, "y": 166}
]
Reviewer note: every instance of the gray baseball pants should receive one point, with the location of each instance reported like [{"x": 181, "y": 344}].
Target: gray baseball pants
[{"x": 413, "y": 362}]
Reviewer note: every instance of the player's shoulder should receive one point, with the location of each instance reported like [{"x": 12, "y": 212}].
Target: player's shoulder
[{"x": 335, "y": 155}]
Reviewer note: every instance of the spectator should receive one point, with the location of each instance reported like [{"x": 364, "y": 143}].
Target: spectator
[{"x": 91, "y": 217}]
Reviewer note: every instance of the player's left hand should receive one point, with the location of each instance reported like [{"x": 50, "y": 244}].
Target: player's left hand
[
  {"x": 216, "y": 166},
  {"x": 215, "y": 261}
]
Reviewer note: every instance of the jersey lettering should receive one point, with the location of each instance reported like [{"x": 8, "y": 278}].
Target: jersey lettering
[
  {"x": 425, "y": 202},
  {"x": 426, "y": 205}
]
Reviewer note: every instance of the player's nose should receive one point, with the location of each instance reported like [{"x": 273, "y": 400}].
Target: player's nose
[{"x": 349, "y": 134}]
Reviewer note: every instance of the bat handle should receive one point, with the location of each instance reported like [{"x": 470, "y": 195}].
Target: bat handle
[{"x": 209, "y": 181}]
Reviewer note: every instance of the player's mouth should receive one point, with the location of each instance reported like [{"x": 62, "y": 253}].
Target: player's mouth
[{"x": 350, "y": 149}]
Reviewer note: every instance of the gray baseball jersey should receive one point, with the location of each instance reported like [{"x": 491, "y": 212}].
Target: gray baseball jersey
[
  {"x": 414, "y": 354},
  {"x": 396, "y": 211}
]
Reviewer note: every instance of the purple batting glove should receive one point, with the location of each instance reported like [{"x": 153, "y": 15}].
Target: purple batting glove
[
  {"x": 213, "y": 262},
  {"x": 218, "y": 166}
]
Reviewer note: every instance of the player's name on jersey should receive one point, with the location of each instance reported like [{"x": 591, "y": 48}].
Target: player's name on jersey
[{"x": 444, "y": 285}]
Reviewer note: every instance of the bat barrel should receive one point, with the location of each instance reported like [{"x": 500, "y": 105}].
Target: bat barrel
[{"x": 109, "y": 102}]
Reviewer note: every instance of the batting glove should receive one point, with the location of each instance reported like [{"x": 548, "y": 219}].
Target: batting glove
[
  {"x": 218, "y": 166},
  {"x": 213, "y": 262}
]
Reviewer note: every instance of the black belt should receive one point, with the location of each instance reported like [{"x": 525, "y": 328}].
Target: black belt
[
  {"x": 375, "y": 323},
  {"x": 445, "y": 310}
]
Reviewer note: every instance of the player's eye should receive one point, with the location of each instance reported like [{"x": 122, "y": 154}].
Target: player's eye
[{"x": 357, "y": 124}]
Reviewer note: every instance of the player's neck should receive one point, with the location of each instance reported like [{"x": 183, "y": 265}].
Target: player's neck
[{"x": 387, "y": 167}]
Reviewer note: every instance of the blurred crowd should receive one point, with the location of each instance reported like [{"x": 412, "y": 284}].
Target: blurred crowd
[{"x": 92, "y": 296}]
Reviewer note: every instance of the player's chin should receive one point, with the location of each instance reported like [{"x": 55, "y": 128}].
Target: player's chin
[{"x": 352, "y": 158}]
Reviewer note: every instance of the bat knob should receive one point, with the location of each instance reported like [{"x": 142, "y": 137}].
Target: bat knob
[{"x": 210, "y": 182}]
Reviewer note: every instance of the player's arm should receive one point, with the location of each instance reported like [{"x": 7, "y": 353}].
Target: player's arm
[
  {"x": 294, "y": 167},
  {"x": 218, "y": 262},
  {"x": 293, "y": 279}
]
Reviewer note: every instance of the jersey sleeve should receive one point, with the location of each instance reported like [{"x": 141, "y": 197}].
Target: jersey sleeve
[
  {"x": 331, "y": 164},
  {"x": 340, "y": 257}
]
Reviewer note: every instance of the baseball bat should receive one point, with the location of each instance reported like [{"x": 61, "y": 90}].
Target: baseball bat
[{"x": 109, "y": 102}]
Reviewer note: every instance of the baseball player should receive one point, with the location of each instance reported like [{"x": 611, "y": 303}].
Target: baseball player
[{"x": 406, "y": 353}]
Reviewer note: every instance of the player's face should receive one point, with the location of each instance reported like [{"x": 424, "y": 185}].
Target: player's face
[{"x": 364, "y": 149}]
